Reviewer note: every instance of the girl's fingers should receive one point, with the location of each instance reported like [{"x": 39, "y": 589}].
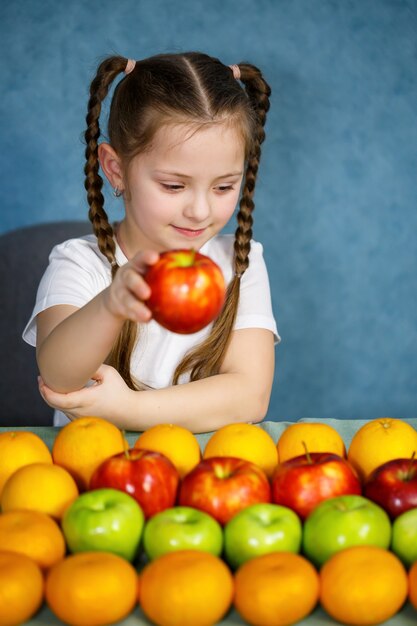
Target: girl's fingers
[
  {"x": 128, "y": 296},
  {"x": 136, "y": 284},
  {"x": 142, "y": 260},
  {"x": 129, "y": 291},
  {"x": 64, "y": 401},
  {"x": 134, "y": 309}
]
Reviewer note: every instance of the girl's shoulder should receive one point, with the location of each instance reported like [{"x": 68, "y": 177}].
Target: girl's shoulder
[
  {"x": 223, "y": 245},
  {"x": 76, "y": 245},
  {"x": 80, "y": 251},
  {"x": 221, "y": 249}
]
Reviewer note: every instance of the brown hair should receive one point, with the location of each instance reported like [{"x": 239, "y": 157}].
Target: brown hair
[{"x": 176, "y": 88}]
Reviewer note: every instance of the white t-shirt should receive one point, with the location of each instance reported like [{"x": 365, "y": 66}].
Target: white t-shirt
[{"x": 78, "y": 271}]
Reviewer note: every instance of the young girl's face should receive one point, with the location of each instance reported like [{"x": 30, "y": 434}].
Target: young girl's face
[{"x": 185, "y": 189}]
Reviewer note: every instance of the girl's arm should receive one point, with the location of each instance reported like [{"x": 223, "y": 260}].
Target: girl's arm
[
  {"x": 72, "y": 343},
  {"x": 239, "y": 393}
]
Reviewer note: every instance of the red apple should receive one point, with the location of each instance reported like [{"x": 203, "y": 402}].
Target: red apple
[
  {"x": 303, "y": 482},
  {"x": 223, "y": 486},
  {"x": 393, "y": 486},
  {"x": 188, "y": 290},
  {"x": 149, "y": 477}
]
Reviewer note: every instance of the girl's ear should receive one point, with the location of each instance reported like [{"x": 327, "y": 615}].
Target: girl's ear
[{"x": 111, "y": 165}]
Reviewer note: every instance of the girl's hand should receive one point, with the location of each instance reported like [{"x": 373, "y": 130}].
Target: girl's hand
[
  {"x": 105, "y": 398},
  {"x": 125, "y": 297}
]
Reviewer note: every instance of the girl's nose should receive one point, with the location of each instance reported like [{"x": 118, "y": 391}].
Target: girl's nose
[{"x": 198, "y": 208}]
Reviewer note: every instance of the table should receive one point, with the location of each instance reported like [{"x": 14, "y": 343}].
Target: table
[{"x": 406, "y": 617}]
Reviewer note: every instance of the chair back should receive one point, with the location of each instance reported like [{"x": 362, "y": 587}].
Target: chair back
[{"x": 24, "y": 256}]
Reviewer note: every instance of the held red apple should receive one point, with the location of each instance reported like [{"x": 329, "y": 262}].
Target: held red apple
[
  {"x": 147, "y": 476},
  {"x": 303, "y": 482},
  {"x": 188, "y": 290},
  {"x": 393, "y": 486},
  {"x": 223, "y": 486}
]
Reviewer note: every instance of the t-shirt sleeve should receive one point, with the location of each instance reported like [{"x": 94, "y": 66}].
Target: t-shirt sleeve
[
  {"x": 255, "y": 306},
  {"x": 75, "y": 274}
]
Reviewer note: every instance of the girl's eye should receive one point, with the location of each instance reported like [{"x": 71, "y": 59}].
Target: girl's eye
[
  {"x": 172, "y": 187},
  {"x": 224, "y": 188}
]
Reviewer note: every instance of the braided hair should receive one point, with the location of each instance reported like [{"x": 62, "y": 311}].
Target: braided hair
[{"x": 191, "y": 88}]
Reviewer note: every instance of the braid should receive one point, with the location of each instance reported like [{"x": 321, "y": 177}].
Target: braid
[
  {"x": 258, "y": 92},
  {"x": 206, "y": 359},
  {"x": 106, "y": 73},
  {"x": 120, "y": 353}
]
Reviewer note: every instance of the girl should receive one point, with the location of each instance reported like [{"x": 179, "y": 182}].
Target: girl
[{"x": 184, "y": 139}]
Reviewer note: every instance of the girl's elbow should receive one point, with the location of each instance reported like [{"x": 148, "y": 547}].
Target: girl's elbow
[
  {"x": 260, "y": 414},
  {"x": 259, "y": 408}
]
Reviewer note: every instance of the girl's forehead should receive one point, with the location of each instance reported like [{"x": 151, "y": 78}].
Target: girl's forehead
[
  {"x": 175, "y": 135},
  {"x": 192, "y": 136},
  {"x": 211, "y": 152}
]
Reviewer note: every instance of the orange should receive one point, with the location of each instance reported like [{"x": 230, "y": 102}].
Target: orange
[
  {"x": 91, "y": 588},
  {"x": 186, "y": 588},
  {"x": 21, "y": 588},
  {"x": 18, "y": 448},
  {"x": 82, "y": 445},
  {"x": 39, "y": 487},
  {"x": 175, "y": 442},
  {"x": 316, "y": 436},
  {"x": 412, "y": 585},
  {"x": 33, "y": 534},
  {"x": 276, "y": 589},
  {"x": 363, "y": 585},
  {"x": 244, "y": 441},
  {"x": 379, "y": 441}
]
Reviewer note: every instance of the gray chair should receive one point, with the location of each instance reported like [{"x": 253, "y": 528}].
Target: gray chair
[{"x": 23, "y": 258}]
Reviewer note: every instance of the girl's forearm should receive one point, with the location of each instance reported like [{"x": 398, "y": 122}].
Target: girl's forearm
[
  {"x": 201, "y": 406},
  {"x": 77, "y": 346}
]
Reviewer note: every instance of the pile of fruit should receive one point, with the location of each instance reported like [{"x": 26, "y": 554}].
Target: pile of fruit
[{"x": 95, "y": 528}]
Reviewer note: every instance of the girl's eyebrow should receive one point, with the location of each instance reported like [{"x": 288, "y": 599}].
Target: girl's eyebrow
[
  {"x": 230, "y": 175},
  {"x": 167, "y": 173},
  {"x": 179, "y": 175}
]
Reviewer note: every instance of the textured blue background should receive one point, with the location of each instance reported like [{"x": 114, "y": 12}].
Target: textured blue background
[{"x": 336, "y": 200}]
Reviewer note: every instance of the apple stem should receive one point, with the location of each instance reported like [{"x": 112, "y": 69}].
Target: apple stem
[
  {"x": 192, "y": 256},
  {"x": 125, "y": 446},
  {"x": 409, "y": 473},
  {"x": 307, "y": 453}
]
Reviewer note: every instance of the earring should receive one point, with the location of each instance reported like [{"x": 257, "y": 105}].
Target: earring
[{"x": 117, "y": 193}]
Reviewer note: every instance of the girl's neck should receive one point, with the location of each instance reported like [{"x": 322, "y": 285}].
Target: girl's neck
[{"x": 120, "y": 240}]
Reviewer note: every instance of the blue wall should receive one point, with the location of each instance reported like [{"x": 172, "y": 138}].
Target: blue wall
[{"x": 336, "y": 200}]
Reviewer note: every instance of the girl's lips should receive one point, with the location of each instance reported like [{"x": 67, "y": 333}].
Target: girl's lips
[{"x": 189, "y": 232}]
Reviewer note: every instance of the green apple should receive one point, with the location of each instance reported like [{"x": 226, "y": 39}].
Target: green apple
[
  {"x": 106, "y": 520},
  {"x": 182, "y": 528},
  {"x": 404, "y": 537},
  {"x": 260, "y": 529},
  {"x": 342, "y": 522}
]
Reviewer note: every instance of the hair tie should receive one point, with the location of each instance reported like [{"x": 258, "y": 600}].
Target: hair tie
[
  {"x": 130, "y": 66},
  {"x": 236, "y": 71}
]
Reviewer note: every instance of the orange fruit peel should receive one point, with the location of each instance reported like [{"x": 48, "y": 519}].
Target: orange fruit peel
[
  {"x": 315, "y": 436},
  {"x": 379, "y": 441},
  {"x": 244, "y": 441}
]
